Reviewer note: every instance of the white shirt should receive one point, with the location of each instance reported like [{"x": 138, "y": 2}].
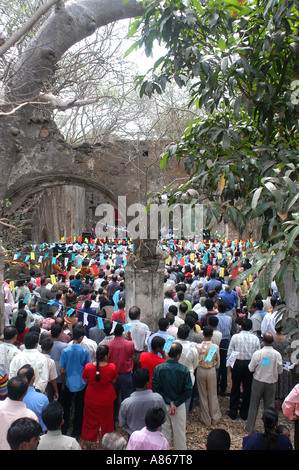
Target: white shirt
[
  {"x": 39, "y": 363},
  {"x": 189, "y": 356},
  {"x": 266, "y": 365},
  {"x": 140, "y": 334},
  {"x": 55, "y": 440},
  {"x": 269, "y": 321},
  {"x": 167, "y": 303},
  {"x": 7, "y": 352}
]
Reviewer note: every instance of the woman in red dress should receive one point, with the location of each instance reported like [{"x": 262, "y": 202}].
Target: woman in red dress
[
  {"x": 20, "y": 325},
  {"x": 99, "y": 396}
]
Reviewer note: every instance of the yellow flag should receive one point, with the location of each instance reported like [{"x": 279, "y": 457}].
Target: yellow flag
[
  {"x": 32, "y": 255},
  {"x": 221, "y": 184},
  {"x": 53, "y": 279},
  {"x": 221, "y": 272},
  {"x": 12, "y": 285}
]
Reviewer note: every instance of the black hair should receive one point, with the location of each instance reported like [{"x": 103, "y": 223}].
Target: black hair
[
  {"x": 154, "y": 418},
  {"x": 78, "y": 331},
  {"x": 31, "y": 339},
  {"x": 183, "y": 331},
  {"x": 180, "y": 295},
  {"x": 26, "y": 371},
  {"x": 173, "y": 309},
  {"x": 270, "y": 419},
  {"x": 246, "y": 324},
  {"x": 170, "y": 317},
  {"x": 46, "y": 344},
  {"x": 20, "y": 322},
  {"x": 175, "y": 349},
  {"x": 56, "y": 330},
  {"x": 207, "y": 331},
  {"x": 209, "y": 303},
  {"x": 157, "y": 342},
  {"x": 163, "y": 323},
  {"x": 17, "y": 387},
  {"x": 218, "y": 439},
  {"x": 183, "y": 307},
  {"x": 222, "y": 306},
  {"x": 140, "y": 377},
  {"x": 22, "y": 430},
  {"x": 213, "y": 321},
  {"x": 10, "y": 332},
  {"x": 52, "y": 415},
  {"x": 134, "y": 313},
  {"x": 102, "y": 351}
]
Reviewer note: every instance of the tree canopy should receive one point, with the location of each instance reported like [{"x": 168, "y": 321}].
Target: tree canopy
[{"x": 240, "y": 60}]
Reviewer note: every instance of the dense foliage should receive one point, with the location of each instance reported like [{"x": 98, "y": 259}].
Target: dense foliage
[{"x": 240, "y": 60}]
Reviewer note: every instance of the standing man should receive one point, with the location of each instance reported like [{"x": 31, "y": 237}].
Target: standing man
[
  {"x": 8, "y": 349},
  {"x": 189, "y": 356},
  {"x": 133, "y": 409},
  {"x": 13, "y": 408},
  {"x": 140, "y": 333},
  {"x": 72, "y": 362},
  {"x": 206, "y": 378},
  {"x": 244, "y": 344},
  {"x": 173, "y": 382},
  {"x": 121, "y": 354},
  {"x": 163, "y": 324},
  {"x": 225, "y": 326},
  {"x": 45, "y": 295},
  {"x": 266, "y": 365},
  {"x": 31, "y": 355},
  {"x": 35, "y": 401}
]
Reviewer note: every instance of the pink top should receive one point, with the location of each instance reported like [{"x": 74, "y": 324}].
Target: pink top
[
  {"x": 10, "y": 410},
  {"x": 290, "y": 406},
  {"x": 147, "y": 440}
]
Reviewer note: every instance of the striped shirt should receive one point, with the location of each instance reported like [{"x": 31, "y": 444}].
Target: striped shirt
[
  {"x": 245, "y": 343},
  {"x": 3, "y": 383},
  {"x": 224, "y": 325}
]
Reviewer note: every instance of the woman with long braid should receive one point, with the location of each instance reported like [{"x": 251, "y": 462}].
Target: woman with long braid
[
  {"x": 99, "y": 396},
  {"x": 269, "y": 439}
]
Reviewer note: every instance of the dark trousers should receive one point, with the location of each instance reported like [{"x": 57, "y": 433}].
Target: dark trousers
[
  {"x": 296, "y": 435},
  {"x": 66, "y": 400},
  {"x": 240, "y": 375},
  {"x": 222, "y": 371},
  {"x": 123, "y": 388}
]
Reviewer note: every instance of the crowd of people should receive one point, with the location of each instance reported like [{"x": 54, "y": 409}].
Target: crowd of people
[{"x": 76, "y": 361}]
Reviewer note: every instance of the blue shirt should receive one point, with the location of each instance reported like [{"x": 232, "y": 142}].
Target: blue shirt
[
  {"x": 75, "y": 284},
  {"x": 231, "y": 298},
  {"x": 73, "y": 360},
  {"x": 36, "y": 402},
  {"x": 262, "y": 313},
  {"x": 211, "y": 284},
  {"x": 162, "y": 334}
]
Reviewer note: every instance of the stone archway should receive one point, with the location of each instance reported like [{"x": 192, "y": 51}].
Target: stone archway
[
  {"x": 21, "y": 190},
  {"x": 62, "y": 206}
]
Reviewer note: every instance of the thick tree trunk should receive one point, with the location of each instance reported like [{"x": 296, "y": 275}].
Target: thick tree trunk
[{"x": 65, "y": 27}]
